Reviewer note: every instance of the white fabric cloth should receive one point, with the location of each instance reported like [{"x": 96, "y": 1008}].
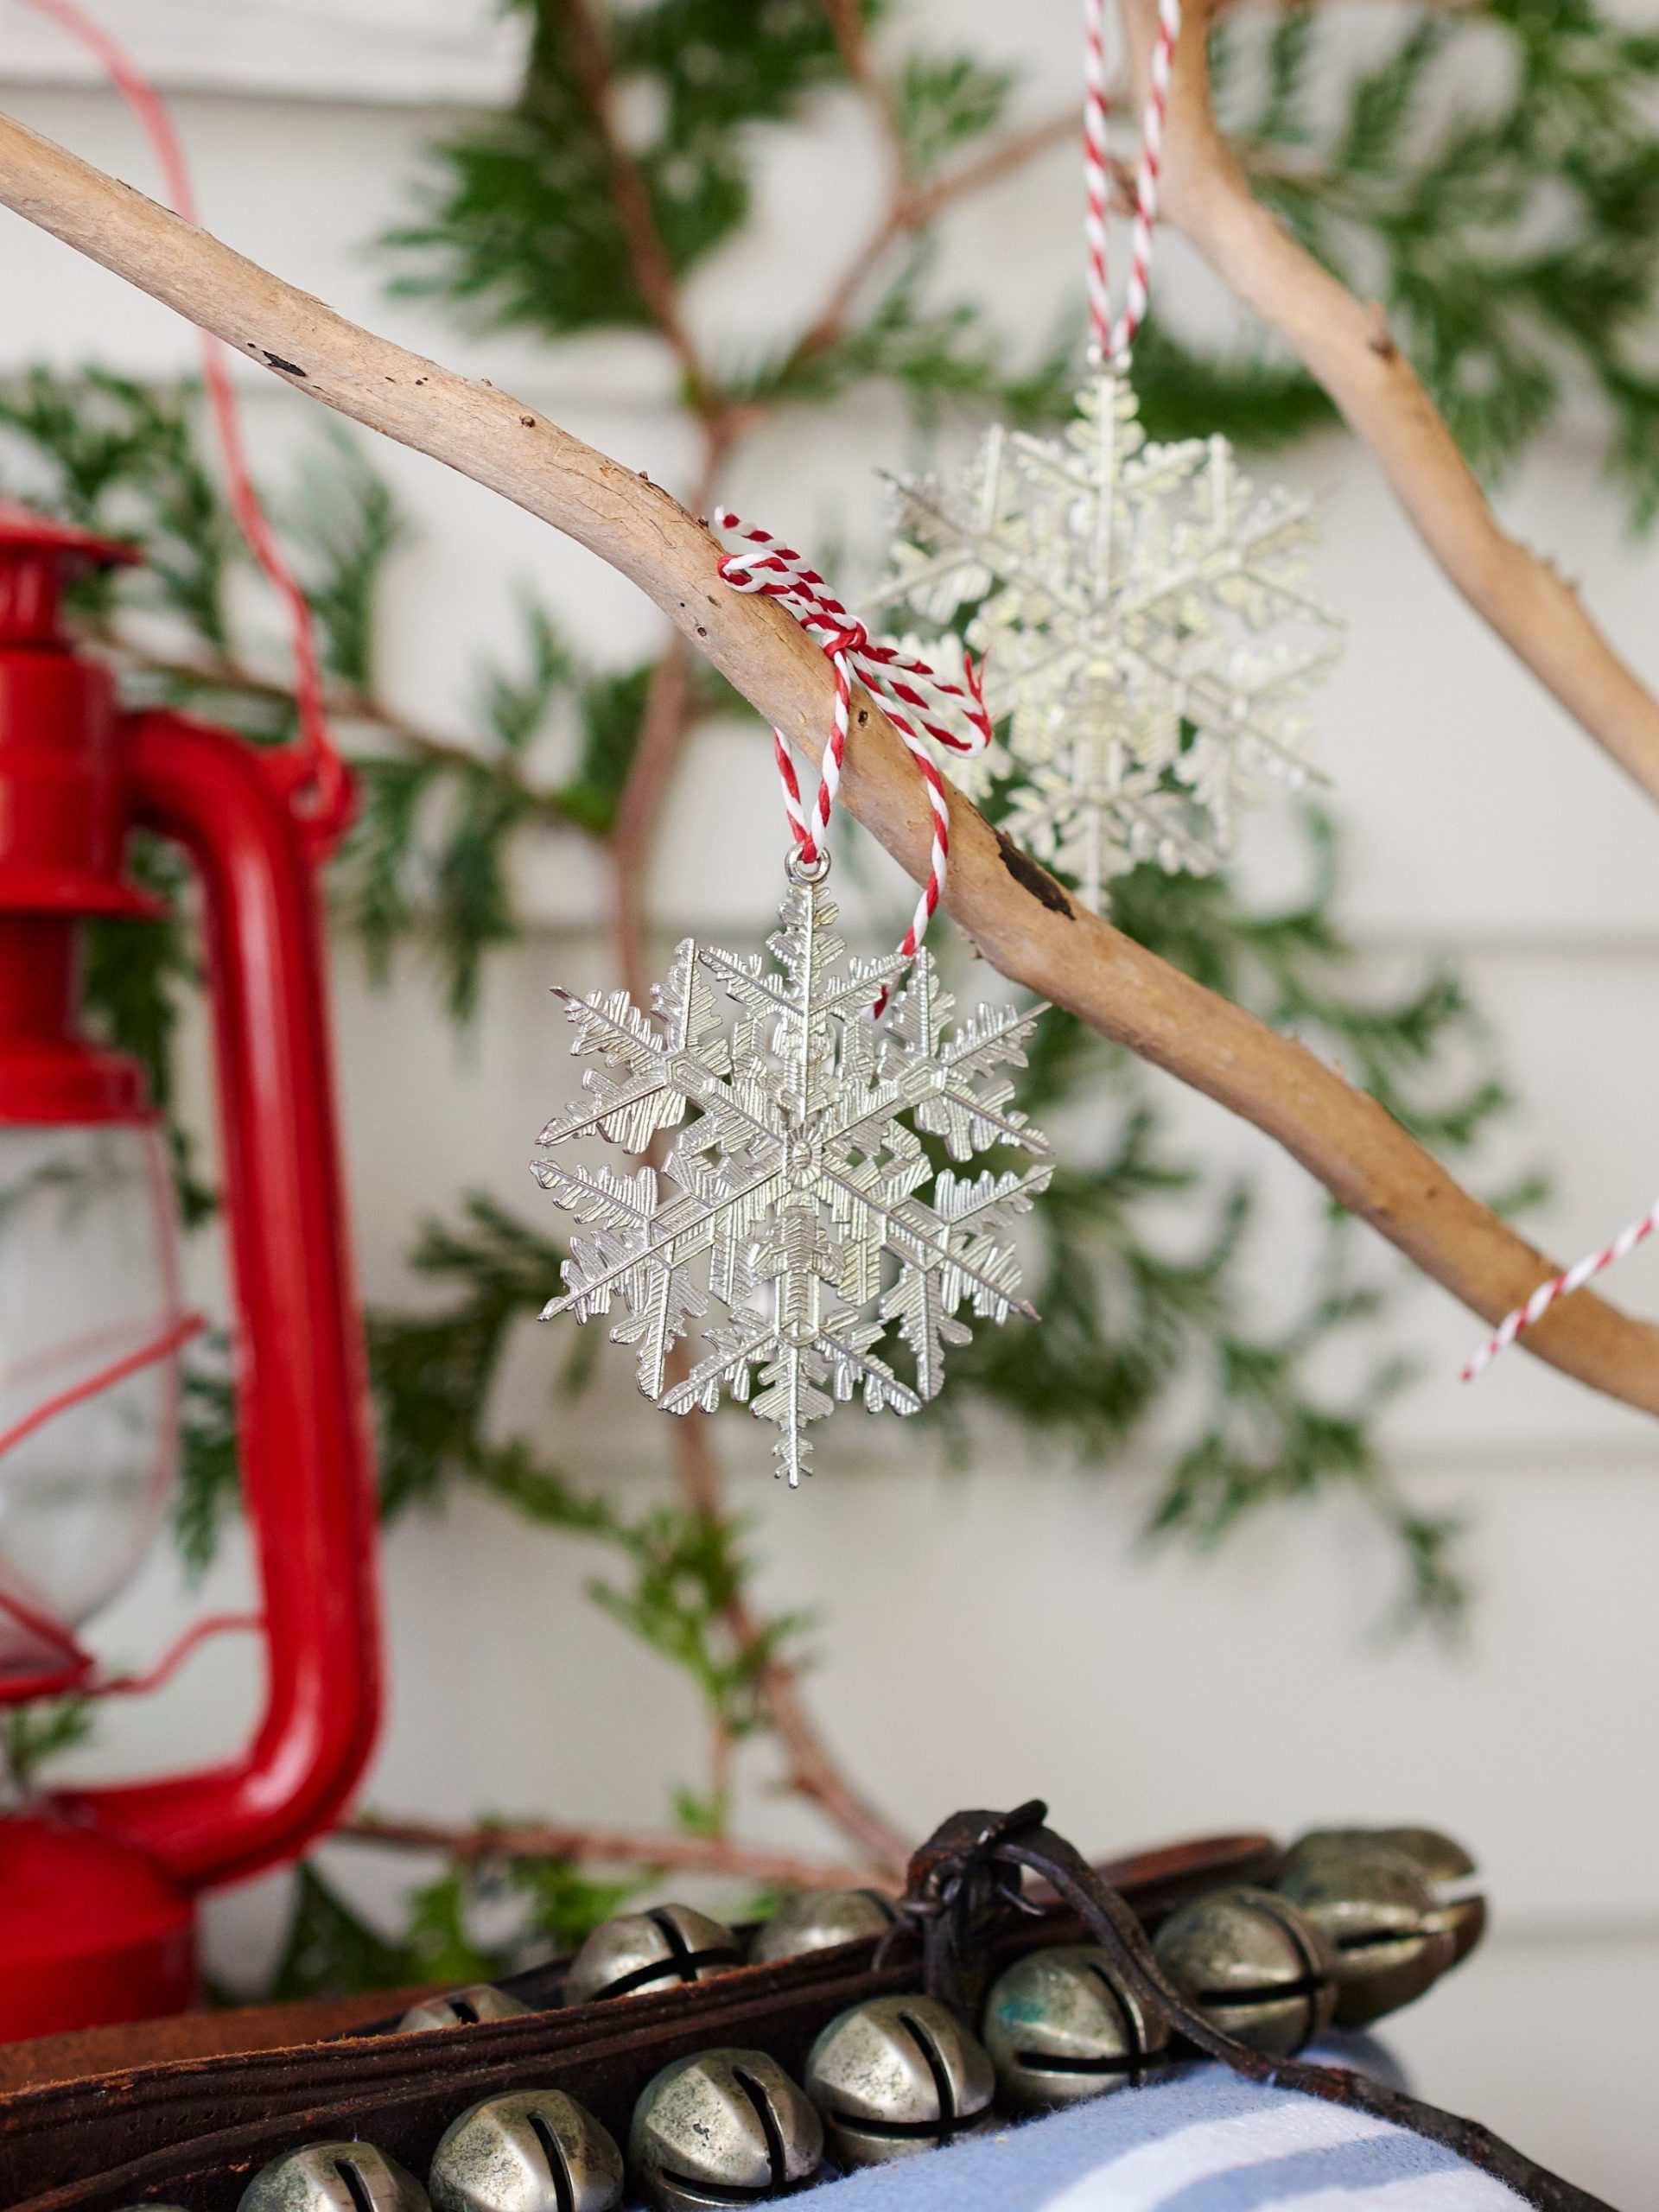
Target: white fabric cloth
[{"x": 1202, "y": 2141}]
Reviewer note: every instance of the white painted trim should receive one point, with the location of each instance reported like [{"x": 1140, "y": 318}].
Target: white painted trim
[{"x": 403, "y": 53}]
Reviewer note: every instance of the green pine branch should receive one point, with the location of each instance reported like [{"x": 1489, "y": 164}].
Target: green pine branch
[
  {"x": 518, "y": 221},
  {"x": 1492, "y": 175},
  {"x": 432, "y": 864},
  {"x": 1493, "y": 178}
]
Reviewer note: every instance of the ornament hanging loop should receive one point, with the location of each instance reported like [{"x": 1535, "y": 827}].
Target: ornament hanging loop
[
  {"x": 1110, "y": 342},
  {"x": 921, "y": 705},
  {"x": 804, "y": 867}
]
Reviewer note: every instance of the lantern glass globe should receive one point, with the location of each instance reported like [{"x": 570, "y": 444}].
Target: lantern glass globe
[{"x": 88, "y": 1279}]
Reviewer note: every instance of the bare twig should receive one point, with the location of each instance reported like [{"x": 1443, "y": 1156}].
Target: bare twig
[
  {"x": 913, "y": 207},
  {"x": 812, "y": 1772},
  {"x": 847, "y": 24},
  {"x": 1019, "y": 917},
  {"x": 686, "y": 1854},
  {"x": 1347, "y": 346},
  {"x": 344, "y": 704},
  {"x": 662, "y": 735},
  {"x": 653, "y": 272}
]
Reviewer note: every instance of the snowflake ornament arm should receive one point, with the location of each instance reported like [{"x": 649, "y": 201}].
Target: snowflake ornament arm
[
  {"x": 799, "y": 1215},
  {"x": 1146, "y": 631}
]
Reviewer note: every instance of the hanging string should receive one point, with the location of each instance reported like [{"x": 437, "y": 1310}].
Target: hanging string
[
  {"x": 76, "y": 1676},
  {"x": 176, "y": 1654},
  {"x": 320, "y": 781},
  {"x": 1561, "y": 1285},
  {"x": 321, "y": 776},
  {"x": 1111, "y": 344},
  {"x": 1097, "y": 177},
  {"x": 953, "y": 715}
]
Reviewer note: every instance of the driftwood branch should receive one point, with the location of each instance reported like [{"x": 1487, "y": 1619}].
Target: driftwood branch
[
  {"x": 1021, "y": 919},
  {"x": 1346, "y": 346}
]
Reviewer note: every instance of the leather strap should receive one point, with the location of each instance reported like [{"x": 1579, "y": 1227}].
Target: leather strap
[
  {"x": 969, "y": 1877},
  {"x": 194, "y": 2129}
]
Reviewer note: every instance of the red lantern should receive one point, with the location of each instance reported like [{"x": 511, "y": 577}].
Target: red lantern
[{"x": 97, "y": 1885}]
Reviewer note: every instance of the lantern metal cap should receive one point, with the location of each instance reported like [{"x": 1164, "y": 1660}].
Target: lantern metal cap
[{"x": 24, "y": 530}]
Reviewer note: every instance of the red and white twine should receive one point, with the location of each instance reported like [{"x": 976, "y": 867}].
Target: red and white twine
[
  {"x": 315, "y": 766},
  {"x": 918, "y": 703},
  {"x": 1560, "y": 1286},
  {"x": 1110, "y": 343},
  {"x": 1097, "y": 173}
]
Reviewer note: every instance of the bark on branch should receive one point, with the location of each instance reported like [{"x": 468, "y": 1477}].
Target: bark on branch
[
  {"x": 1346, "y": 346},
  {"x": 1019, "y": 917}
]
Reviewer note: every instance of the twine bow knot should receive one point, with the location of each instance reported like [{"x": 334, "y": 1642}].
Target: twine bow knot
[{"x": 918, "y": 701}]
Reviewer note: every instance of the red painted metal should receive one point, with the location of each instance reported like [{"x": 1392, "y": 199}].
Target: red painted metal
[
  {"x": 61, "y": 825},
  {"x": 49, "y": 1073},
  {"x": 95, "y": 1887},
  {"x": 300, "y": 1392},
  {"x": 110, "y": 1936}
]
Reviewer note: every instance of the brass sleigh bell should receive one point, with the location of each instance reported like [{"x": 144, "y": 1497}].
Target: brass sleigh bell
[
  {"x": 1440, "y": 1859},
  {"x": 1380, "y": 1915},
  {"x": 640, "y": 1954},
  {"x": 534, "y": 2151},
  {"x": 815, "y": 1920},
  {"x": 722, "y": 2128},
  {"x": 1060, "y": 2025},
  {"x": 333, "y": 2177},
  {"x": 482, "y": 2000},
  {"x": 895, "y": 2076},
  {"x": 1257, "y": 1967}
]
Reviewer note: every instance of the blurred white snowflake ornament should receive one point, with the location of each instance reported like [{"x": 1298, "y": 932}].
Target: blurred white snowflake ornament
[
  {"x": 1146, "y": 629},
  {"x": 798, "y": 1195}
]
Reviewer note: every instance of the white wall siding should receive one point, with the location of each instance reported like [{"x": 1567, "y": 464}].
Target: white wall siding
[{"x": 993, "y": 1633}]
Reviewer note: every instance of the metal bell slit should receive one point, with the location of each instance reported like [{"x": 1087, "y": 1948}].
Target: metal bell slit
[
  {"x": 1379, "y": 1913},
  {"x": 817, "y": 1920},
  {"x": 1440, "y": 1858},
  {"x": 1060, "y": 2025},
  {"x": 532, "y": 2150},
  {"x": 479, "y": 2000},
  {"x": 640, "y": 1954},
  {"x": 1256, "y": 1967},
  {"x": 895, "y": 2076},
  {"x": 720, "y": 2129},
  {"x": 333, "y": 2177}
]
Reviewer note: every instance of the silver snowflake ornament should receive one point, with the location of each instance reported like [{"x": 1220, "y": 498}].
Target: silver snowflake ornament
[
  {"x": 798, "y": 1222},
  {"x": 1146, "y": 630}
]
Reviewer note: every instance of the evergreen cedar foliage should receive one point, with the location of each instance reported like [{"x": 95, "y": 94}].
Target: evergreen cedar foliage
[{"x": 1488, "y": 174}]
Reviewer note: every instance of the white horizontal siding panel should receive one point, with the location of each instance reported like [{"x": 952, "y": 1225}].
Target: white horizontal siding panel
[
  {"x": 302, "y": 188},
  {"x": 403, "y": 52},
  {"x": 996, "y": 1633},
  {"x": 1474, "y": 807}
]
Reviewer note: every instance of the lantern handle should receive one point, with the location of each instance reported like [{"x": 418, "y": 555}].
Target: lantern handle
[{"x": 302, "y": 1403}]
